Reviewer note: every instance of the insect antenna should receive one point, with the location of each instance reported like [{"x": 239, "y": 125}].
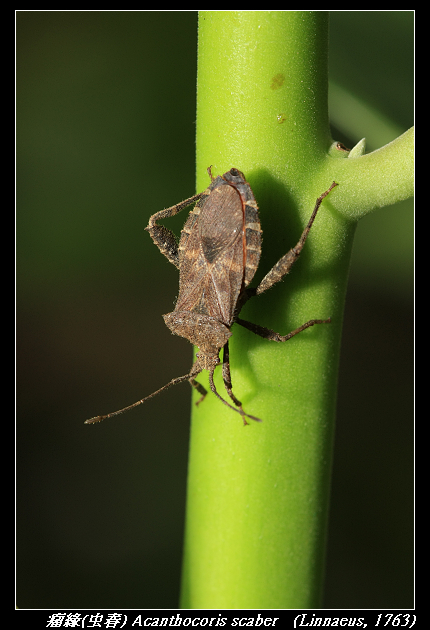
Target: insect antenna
[
  {"x": 174, "y": 381},
  {"x": 238, "y": 409}
]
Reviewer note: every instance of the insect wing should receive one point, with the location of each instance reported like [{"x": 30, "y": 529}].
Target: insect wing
[
  {"x": 212, "y": 257},
  {"x": 221, "y": 222}
]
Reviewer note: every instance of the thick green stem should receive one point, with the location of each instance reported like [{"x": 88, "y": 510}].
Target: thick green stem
[{"x": 258, "y": 495}]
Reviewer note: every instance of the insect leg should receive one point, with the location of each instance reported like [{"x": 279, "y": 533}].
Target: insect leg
[
  {"x": 227, "y": 376},
  {"x": 239, "y": 409},
  {"x": 209, "y": 170},
  {"x": 199, "y": 388},
  {"x": 271, "y": 335},
  {"x": 165, "y": 239},
  {"x": 284, "y": 265}
]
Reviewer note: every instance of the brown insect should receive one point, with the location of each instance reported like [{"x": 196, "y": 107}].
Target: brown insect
[{"x": 217, "y": 257}]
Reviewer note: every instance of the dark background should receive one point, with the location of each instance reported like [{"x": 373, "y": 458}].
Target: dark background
[{"x": 105, "y": 137}]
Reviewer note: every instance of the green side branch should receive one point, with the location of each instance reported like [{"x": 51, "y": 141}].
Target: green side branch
[{"x": 258, "y": 495}]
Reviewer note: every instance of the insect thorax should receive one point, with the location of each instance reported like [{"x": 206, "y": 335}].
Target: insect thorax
[{"x": 205, "y": 332}]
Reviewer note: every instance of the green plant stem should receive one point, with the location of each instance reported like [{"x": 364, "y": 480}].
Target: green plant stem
[{"x": 258, "y": 495}]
